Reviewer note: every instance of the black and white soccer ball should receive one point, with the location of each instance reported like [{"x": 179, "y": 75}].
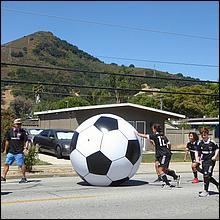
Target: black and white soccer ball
[{"x": 105, "y": 150}]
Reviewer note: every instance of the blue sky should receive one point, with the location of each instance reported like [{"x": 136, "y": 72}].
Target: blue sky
[{"x": 69, "y": 20}]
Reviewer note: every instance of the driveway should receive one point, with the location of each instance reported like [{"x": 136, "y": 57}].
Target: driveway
[{"x": 53, "y": 160}]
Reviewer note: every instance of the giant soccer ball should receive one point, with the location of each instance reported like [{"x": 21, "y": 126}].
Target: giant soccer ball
[{"x": 105, "y": 150}]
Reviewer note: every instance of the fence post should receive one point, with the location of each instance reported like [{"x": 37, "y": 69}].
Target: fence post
[{"x": 182, "y": 136}]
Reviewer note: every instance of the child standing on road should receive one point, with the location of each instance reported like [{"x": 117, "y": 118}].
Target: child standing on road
[
  {"x": 191, "y": 148},
  {"x": 162, "y": 154},
  {"x": 208, "y": 151}
]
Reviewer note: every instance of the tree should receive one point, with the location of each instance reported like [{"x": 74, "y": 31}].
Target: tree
[
  {"x": 37, "y": 89},
  {"x": 45, "y": 105},
  {"x": 190, "y": 105},
  {"x": 72, "y": 102},
  {"x": 21, "y": 107},
  {"x": 146, "y": 100},
  {"x": 7, "y": 118},
  {"x": 67, "y": 102},
  {"x": 131, "y": 66}
]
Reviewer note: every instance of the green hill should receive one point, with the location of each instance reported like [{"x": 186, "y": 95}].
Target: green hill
[{"x": 45, "y": 49}]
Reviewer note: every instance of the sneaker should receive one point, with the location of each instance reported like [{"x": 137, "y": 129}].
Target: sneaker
[
  {"x": 195, "y": 180},
  {"x": 3, "y": 179},
  {"x": 165, "y": 186},
  {"x": 204, "y": 194},
  {"x": 177, "y": 179},
  {"x": 23, "y": 180}
]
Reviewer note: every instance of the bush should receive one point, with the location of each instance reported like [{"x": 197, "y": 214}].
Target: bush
[
  {"x": 7, "y": 118},
  {"x": 17, "y": 54},
  {"x": 31, "y": 157}
]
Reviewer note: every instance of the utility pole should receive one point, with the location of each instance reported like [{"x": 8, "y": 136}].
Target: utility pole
[
  {"x": 67, "y": 104},
  {"x": 154, "y": 71},
  {"x": 161, "y": 103},
  {"x": 9, "y": 53},
  {"x": 38, "y": 89}
]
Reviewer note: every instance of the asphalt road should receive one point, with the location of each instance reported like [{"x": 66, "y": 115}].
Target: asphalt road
[{"x": 139, "y": 198}]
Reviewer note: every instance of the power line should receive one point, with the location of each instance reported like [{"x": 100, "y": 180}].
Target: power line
[
  {"x": 145, "y": 60},
  {"x": 105, "y": 88},
  {"x": 157, "y": 61},
  {"x": 112, "y": 25},
  {"x": 108, "y": 73}
]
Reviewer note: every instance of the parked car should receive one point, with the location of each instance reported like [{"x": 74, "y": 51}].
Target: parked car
[
  {"x": 55, "y": 141},
  {"x": 31, "y": 132}
]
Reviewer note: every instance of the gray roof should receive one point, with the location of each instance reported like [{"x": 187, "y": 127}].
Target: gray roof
[{"x": 169, "y": 114}]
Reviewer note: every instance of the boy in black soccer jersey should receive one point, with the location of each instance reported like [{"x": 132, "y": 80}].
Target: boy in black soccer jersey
[
  {"x": 208, "y": 151},
  {"x": 162, "y": 154},
  {"x": 190, "y": 148}
]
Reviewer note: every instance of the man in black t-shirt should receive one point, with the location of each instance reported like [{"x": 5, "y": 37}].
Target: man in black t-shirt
[{"x": 15, "y": 144}]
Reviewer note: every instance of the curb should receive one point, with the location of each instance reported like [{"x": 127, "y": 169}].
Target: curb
[{"x": 43, "y": 171}]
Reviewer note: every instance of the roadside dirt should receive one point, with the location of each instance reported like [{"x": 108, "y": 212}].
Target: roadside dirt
[{"x": 7, "y": 98}]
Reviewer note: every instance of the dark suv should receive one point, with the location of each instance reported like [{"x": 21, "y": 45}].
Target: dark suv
[{"x": 55, "y": 141}]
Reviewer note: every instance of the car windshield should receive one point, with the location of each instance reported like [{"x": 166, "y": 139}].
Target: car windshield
[
  {"x": 65, "y": 135},
  {"x": 35, "y": 131}
]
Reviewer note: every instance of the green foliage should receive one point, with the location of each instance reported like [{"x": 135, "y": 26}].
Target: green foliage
[
  {"x": 131, "y": 66},
  {"x": 7, "y": 118},
  {"x": 72, "y": 102},
  {"x": 25, "y": 49},
  {"x": 31, "y": 157},
  {"x": 47, "y": 50},
  {"x": 176, "y": 157},
  {"x": 63, "y": 103},
  {"x": 184, "y": 125},
  {"x": 44, "y": 106},
  {"x": 21, "y": 107},
  {"x": 146, "y": 100},
  {"x": 189, "y": 105},
  {"x": 17, "y": 54}
]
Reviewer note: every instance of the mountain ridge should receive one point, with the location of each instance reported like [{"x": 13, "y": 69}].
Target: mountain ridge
[{"x": 45, "y": 49}]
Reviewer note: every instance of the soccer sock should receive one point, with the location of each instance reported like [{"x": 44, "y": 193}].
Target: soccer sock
[
  {"x": 212, "y": 180},
  {"x": 206, "y": 182},
  {"x": 172, "y": 173},
  {"x": 199, "y": 170},
  {"x": 195, "y": 174},
  {"x": 164, "y": 178}
]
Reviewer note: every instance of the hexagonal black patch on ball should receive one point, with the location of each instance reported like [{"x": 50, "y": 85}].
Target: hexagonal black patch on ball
[
  {"x": 98, "y": 163},
  {"x": 74, "y": 141},
  {"x": 133, "y": 151},
  {"x": 106, "y": 123}
]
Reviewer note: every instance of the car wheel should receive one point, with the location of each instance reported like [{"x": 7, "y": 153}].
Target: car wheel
[{"x": 59, "y": 152}]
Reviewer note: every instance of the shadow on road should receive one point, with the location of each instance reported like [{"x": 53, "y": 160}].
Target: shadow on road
[
  {"x": 5, "y": 193},
  {"x": 133, "y": 183},
  {"x": 34, "y": 181},
  {"x": 213, "y": 193},
  {"x": 126, "y": 183}
]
